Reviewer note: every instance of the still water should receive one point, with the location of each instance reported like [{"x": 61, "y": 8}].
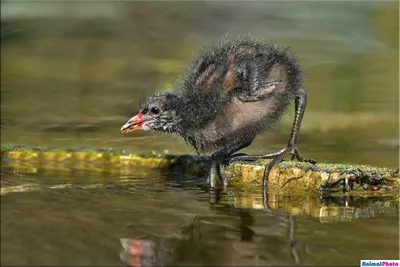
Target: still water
[
  {"x": 73, "y": 72},
  {"x": 148, "y": 220}
]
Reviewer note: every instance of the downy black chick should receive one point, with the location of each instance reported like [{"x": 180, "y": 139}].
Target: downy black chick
[{"x": 229, "y": 94}]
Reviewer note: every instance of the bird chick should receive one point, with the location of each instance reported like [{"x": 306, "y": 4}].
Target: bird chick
[{"x": 231, "y": 92}]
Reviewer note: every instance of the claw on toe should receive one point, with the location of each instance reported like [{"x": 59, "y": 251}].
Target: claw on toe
[
  {"x": 310, "y": 161},
  {"x": 297, "y": 155}
]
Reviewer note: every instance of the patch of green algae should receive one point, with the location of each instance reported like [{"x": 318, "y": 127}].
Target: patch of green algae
[{"x": 287, "y": 177}]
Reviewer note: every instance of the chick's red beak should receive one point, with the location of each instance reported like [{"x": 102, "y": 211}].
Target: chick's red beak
[{"x": 135, "y": 123}]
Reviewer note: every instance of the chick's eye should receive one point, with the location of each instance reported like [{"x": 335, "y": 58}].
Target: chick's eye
[{"x": 155, "y": 110}]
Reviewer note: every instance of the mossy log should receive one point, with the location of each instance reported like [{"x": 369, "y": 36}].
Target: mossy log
[{"x": 287, "y": 177}]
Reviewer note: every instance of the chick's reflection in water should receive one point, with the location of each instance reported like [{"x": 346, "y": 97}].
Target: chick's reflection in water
[{"x": 225, "y": 239}]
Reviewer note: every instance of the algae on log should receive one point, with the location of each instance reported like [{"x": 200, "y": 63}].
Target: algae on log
[
  {"x": 294, "y": 177},
  {"x": 287, "y": 177}
]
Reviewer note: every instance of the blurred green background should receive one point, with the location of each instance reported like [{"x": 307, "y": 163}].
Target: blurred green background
[{"x": 73, "y": 72}]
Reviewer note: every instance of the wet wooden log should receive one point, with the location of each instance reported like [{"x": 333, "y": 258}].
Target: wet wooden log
[{"x": 287, "y": 177}]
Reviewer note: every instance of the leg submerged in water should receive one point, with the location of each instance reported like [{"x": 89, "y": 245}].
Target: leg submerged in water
[{"x": 218, "y": 158}]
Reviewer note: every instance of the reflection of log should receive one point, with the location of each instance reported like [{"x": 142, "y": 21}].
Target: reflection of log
[
  {"x": 287, "y": 177},
  {"x": 328, "y": 209}
]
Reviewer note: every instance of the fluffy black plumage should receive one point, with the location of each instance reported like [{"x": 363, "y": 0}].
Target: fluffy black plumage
[
  {"x": 252, "y": 80},
  {"x": 236, "y": 73},
  {"x": 230, "y": 93}
]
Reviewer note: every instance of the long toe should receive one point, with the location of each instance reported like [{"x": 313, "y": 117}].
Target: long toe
[
  {"x": 237, "y": 155},
  {"x": 312, "y": 161},
  {"x": 243, "y": 158},
  {"x": 297, "y": 154}
]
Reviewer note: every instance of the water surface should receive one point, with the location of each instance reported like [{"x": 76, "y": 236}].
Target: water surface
[{"x": 147, "y": 220}]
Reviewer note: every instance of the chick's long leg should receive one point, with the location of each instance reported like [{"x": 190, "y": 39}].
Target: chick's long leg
[
  {"x": 219, "y": 157},
  {"x": 291, "y": 149}
]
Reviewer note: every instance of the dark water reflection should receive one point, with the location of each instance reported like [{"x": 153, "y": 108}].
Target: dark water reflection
[{"x": 109, "y": 221}]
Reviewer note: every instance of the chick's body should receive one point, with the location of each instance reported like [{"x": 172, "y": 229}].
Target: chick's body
[
  {"x": 230, "y": 93},
  {"x": 235, "y": 90}
]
